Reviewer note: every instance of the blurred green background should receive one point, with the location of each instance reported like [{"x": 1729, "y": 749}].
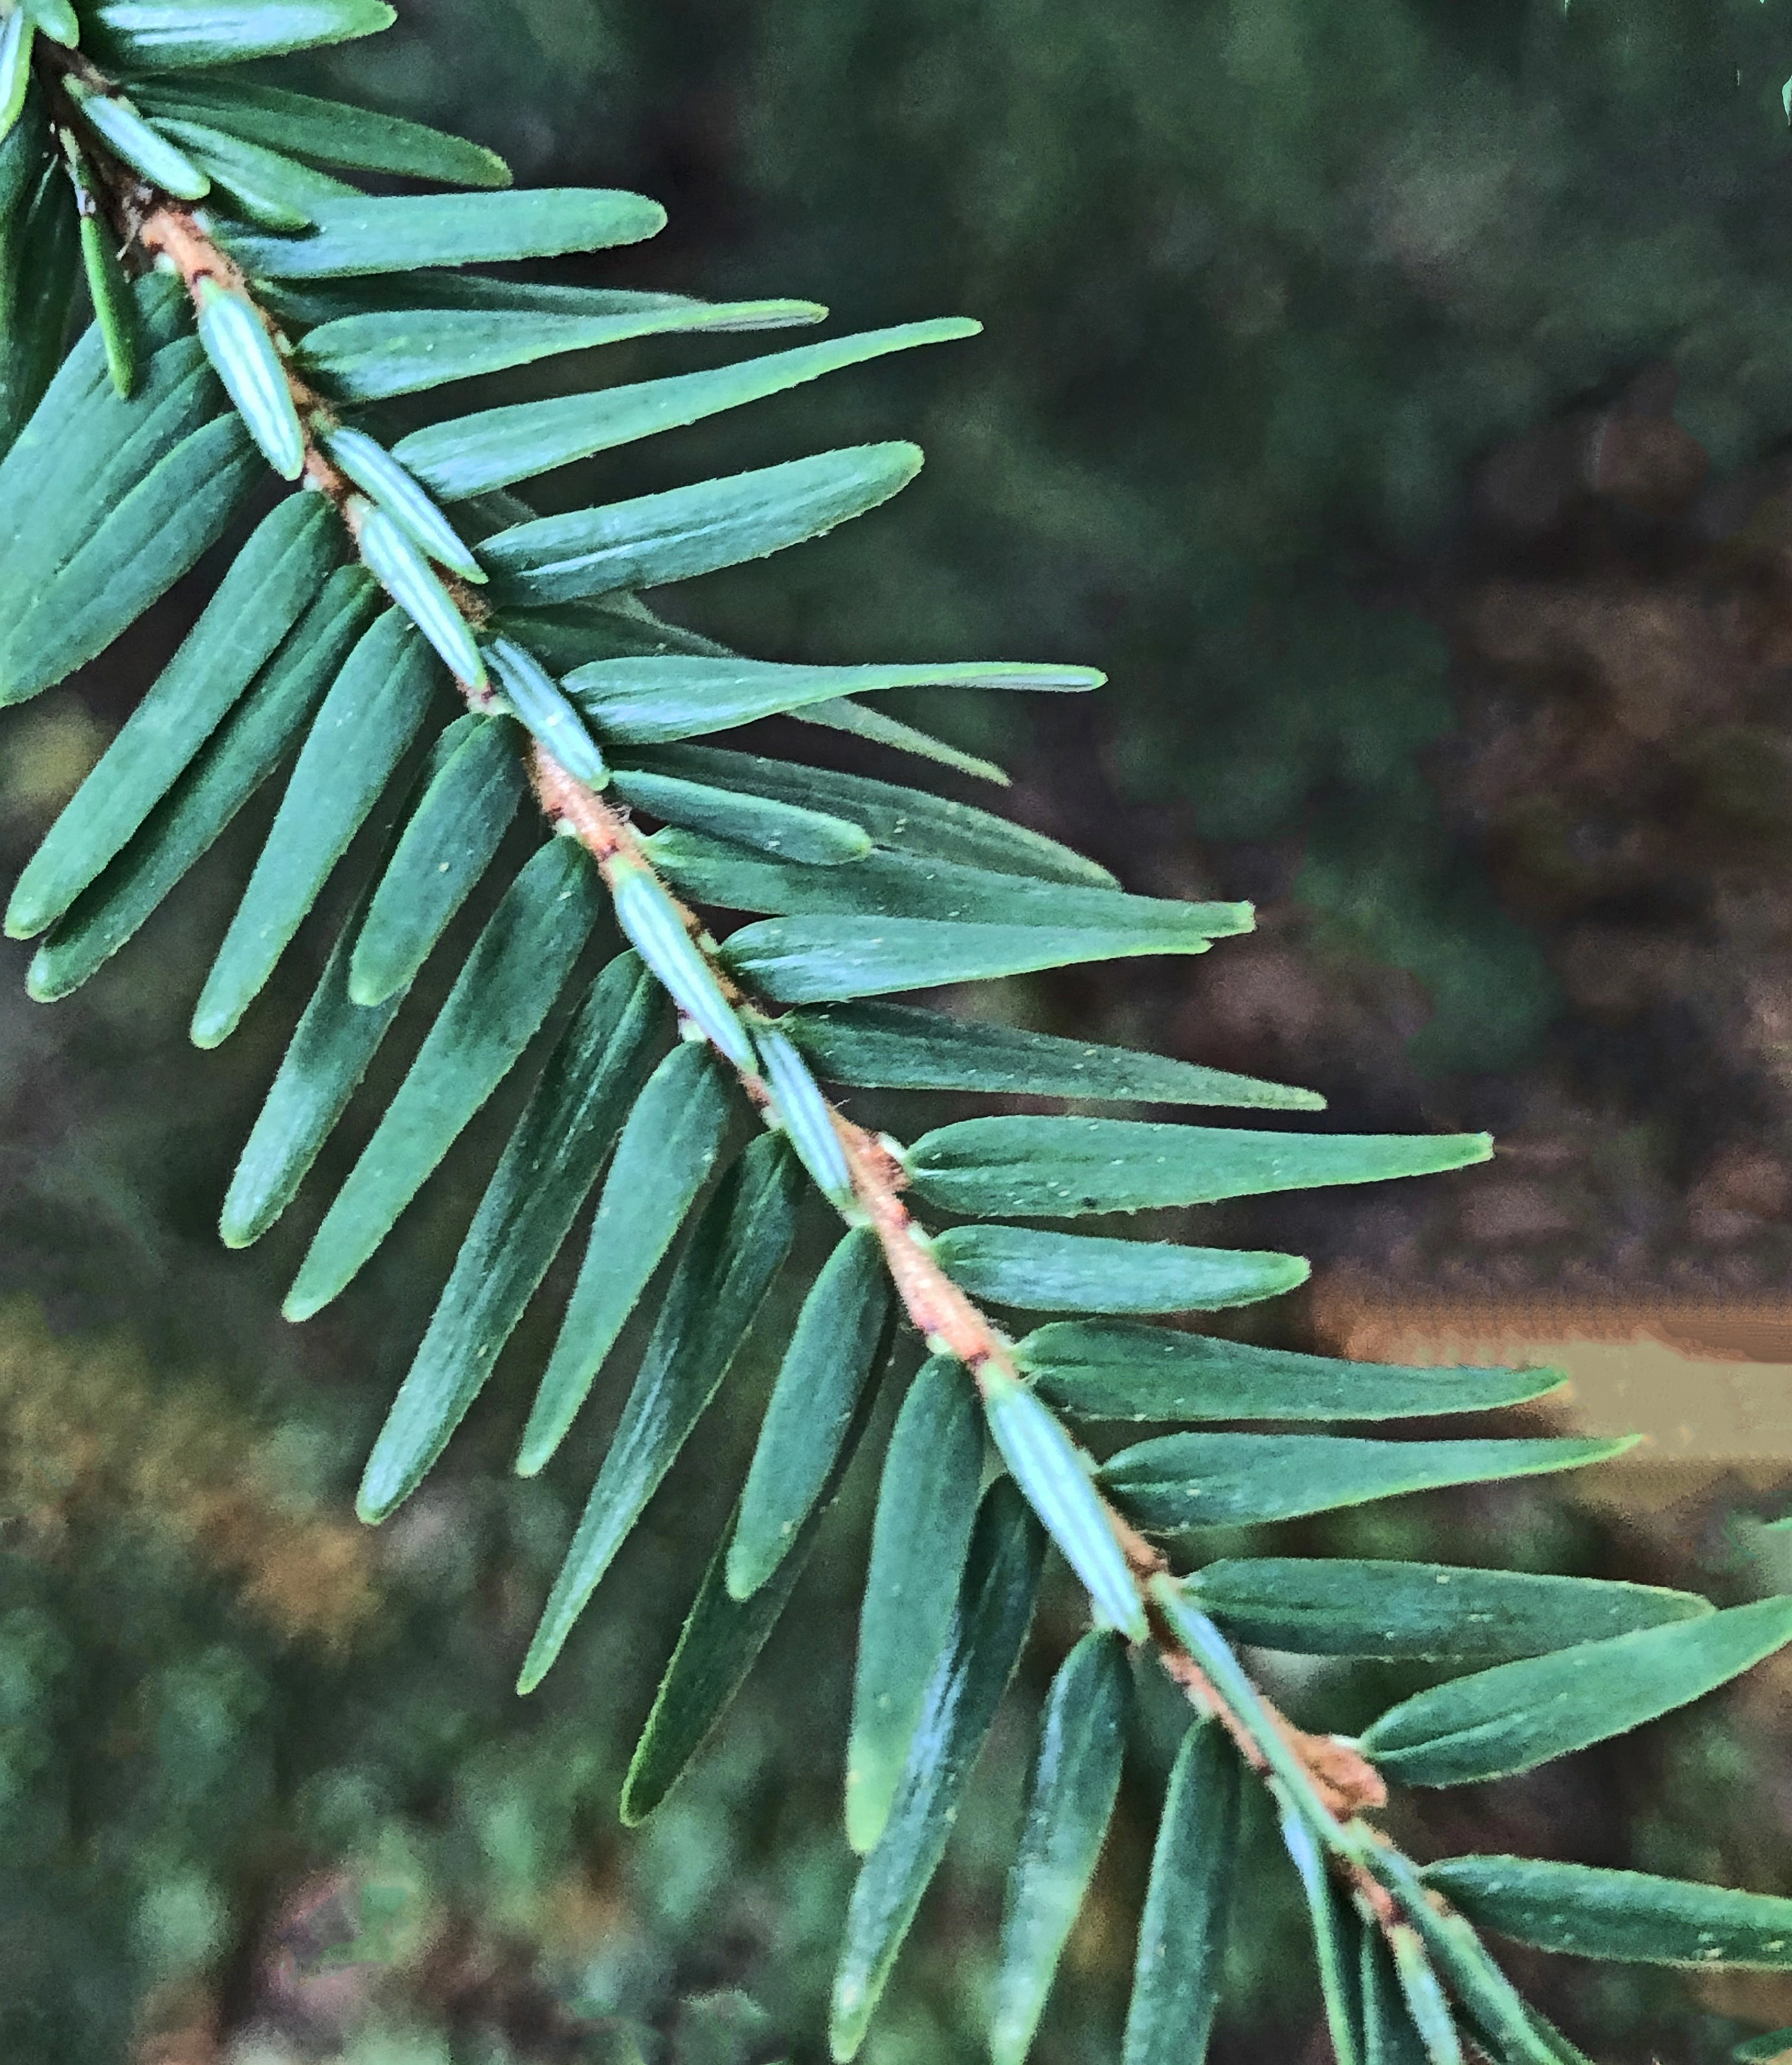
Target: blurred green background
[{"x": 1394, "y": 398}]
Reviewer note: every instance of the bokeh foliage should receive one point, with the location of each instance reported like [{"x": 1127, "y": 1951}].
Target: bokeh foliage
[{"x": 1262, "y": 283}]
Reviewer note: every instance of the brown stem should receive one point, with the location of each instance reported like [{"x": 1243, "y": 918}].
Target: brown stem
[
  {"x": 944, "y": 1317},
  {"x": 951, "y": 1323},
  {"x": 947, "y": 1319}
]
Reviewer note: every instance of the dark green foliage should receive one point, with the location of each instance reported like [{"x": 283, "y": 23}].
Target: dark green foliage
[
  {"x": 158, "y": 35},
  {"x": 1334, "y": 1941},
  {"x": 1070, "y": 1794},
  {"x": 243, "y": 356},
  {"x": 690, "y": 531},
  {"x": 326, "y": 132},
  {"x": 1182, "y": 1936},
  {"x": 1184, "y": 1481},
  {"x": 470, "y": 456},
  {"x": 661, "y": 935},
  {"x": 536, "y": 697},
  {"x": 16, "y": 37},
  {"x": 982, "y": 1647},
  {"x": 511, "y": 647},
  {"x": 269, "y": 189},
  {"x": 234, "y": 763},
  {"x": 789, "y": 830},
  {"x": 1336, "y": 1607},
  {"x": 331, "y": 1047},
  {"x": 392, "y": 555},
  {"x": 898, "y": 819},
  {"x": 446, "y": 847},
  {"x": 140, "y": 494},
  {"x": 1113, "y": 1369},
  {"x": 722, "y": 1636},
  {"x": 42, "y": 239},
  {"x": 1518, "y": 1715},
  {"x": 646, "y": 700},
  {"x": 365, "y": 461},
  {"x": 274, "y": 581},
  {"x": 737, "y": 1247},
  {"x": 1389, "y": 2036},
  {"x": 600, "y": 1066},
  {"x": 369, "y": 357},
  {"x": 1426, "y": 2005},
  {"x": 986, "y": 906},
  {"x": 1442, "y": 1944},
  {"x": 833, "y": 1351},
  {"x": 1061, "y": 1168},
  {"x": 825, "y": 961},
  {"x": 893, "y": 1046},
  {"x": 352, "y": 238},
  {"x": 671, "y": 1144},
  {"x": 362, "y": 731},
  {"x": 925, "y": 1506},
  {"x": 1071, "y": 1272},
  {"x": 808, "y": 1121},
  {"x": 505, "y": 991},
  {"x": 1054, "y": 1474},
  {"x": 115, "y": 308},
  {"x": 1765, "y": 2050},
  {"x": 1627, "y": 1916}
]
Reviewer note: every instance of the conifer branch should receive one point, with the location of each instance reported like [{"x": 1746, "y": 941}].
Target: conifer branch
[
  {"x": 744, "y": 834},
  {"x": 941, "y": 1312}
]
